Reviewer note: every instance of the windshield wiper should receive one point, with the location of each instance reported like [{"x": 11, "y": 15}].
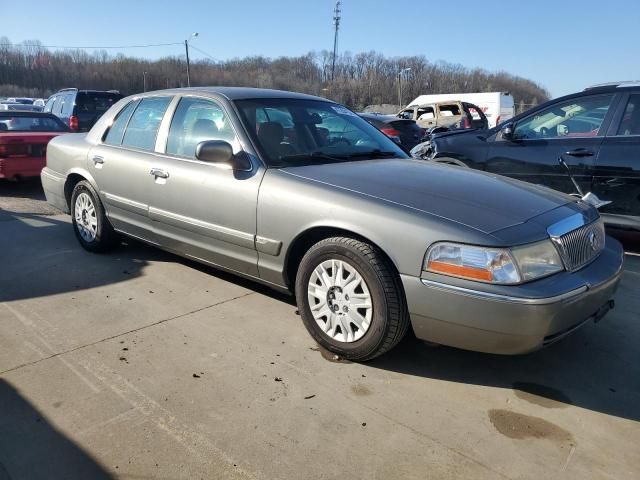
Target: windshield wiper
[
  {"x": 377, "y": 153},
  {"x": 312, "y": 155}
]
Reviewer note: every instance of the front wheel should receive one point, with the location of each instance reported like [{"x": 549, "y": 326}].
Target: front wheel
[
  {"x": 350, "y": 298},
  {"x": 90, "y": 223}
]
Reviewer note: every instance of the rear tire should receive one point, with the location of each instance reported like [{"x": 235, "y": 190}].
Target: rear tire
[
  {"x": 90, "y": 223},
  {"x": 351, "y": 299}
]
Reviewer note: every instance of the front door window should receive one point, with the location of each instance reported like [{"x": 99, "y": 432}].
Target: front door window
[{"x": 579, "y": 118}]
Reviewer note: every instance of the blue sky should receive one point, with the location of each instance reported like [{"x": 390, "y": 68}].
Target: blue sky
[{"x": 563, "y": 45}]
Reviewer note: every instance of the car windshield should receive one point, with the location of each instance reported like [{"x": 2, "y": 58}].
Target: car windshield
[
  {"x": 36, "y": 123},
  {"x": 292, "y": 132}
]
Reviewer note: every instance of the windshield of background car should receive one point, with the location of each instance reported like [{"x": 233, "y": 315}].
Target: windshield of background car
[
  {"x": 31, "y": 124},
  {"x": 292, "y": 132}
]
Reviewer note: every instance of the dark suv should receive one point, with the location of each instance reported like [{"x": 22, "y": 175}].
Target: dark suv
[
  {"x": 80, "y": 109},
  {"x": 597, "y": 131}
]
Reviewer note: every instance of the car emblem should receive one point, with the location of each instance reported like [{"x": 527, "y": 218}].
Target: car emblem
[{"x": 592, "y": 241}]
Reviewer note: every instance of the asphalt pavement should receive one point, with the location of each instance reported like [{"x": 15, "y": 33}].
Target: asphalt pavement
[{"x": 140, "y": 364}]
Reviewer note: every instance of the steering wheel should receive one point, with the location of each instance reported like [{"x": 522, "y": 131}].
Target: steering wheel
[{"x": 544, "y": 132}]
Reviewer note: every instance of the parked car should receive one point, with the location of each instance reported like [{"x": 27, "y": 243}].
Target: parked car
[
  {"x": 81, "y": 109},
  {"x": 597, "y": 131},
  {"x": 496, "y": 106},
  {"x": 23, "y": 142},
  {"x": 452, "y": 115},
  {"x": 407, "y": 132},
  {"x": 23, "y": 107},
  {"x": 369, "y": 240}
]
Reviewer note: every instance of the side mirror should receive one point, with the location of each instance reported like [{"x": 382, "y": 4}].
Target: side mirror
[
  {"x": 507, "y": 131},
  {"x": 221, "y": 152}
]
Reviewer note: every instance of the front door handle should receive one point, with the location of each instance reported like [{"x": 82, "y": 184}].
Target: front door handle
[
  {"x": 580, "y": 152},
  {"x": 159, "y": 173}
]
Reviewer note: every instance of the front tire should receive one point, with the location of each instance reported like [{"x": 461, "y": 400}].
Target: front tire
[
  {"x": 90, "y": 223},
  {"x": 351, "y": 299}
]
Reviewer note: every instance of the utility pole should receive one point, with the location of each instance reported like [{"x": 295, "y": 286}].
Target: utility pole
[
  {"x": 186, "y": 49},
  {"x": 336, "y": 23},
  {"x": 402, "y": 70}
]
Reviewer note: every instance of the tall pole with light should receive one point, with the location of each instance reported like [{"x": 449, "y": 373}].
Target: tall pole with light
[
  {"x": 186, "y": 48},
  {"x": 336, "y": 24},
  {"x": 400, "y": 73}
]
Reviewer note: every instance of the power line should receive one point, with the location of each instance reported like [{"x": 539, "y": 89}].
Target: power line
[
  {"x": 202, "y": 52},
  {"x": 13, "y": 45}
]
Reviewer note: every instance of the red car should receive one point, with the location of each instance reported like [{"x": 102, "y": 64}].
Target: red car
[{"x": 23, "y": 142}]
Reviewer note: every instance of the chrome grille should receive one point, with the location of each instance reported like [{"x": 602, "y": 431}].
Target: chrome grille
[{"x": 581, "y": 246}]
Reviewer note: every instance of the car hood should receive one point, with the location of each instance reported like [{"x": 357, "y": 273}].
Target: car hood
[{"x": 482, "y": 201}]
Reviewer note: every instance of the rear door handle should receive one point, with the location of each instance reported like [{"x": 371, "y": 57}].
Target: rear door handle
[
  {"x": 580, "y": 152},
  {"x": 97, "y": 159},
  {"x": 159, "y": 173},
  {"x": 614, "y": 182}
]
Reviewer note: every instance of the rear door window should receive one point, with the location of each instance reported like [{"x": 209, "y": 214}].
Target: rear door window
[
  {"x": 67, "y": 105},
  {"x": 96, "y": 102},
  {"x": 426, "y": 113},
  {"x": 56, "y": 109},
  {"x": 630, "y": 123},
  {"x": 49, "y": 105},
  {"x": 142, "y": 130},
  {"x": 116, "y": 131},
  {"x": 449, "y": 110}
]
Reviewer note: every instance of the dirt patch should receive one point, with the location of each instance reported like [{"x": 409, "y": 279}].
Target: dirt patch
[
  {"x": 518, "y": 426},
  {"x": 360, "y": 390}
]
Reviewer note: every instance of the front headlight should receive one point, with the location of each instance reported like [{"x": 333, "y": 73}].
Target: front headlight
[
  {"x": 537, "y": 260},
  {"x": 494, "y": 265}
]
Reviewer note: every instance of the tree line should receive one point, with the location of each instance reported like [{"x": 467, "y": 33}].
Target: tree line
[{"x": 361, "y": 79}]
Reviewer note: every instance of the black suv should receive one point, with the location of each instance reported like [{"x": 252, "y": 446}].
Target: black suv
[
  {"x": 597, "y": 132},
  {"x": 80, "y": 109}
]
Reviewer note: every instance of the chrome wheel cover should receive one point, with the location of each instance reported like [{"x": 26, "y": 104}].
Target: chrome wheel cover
[
  {"x": 340, "y": 301},
  {"x": 86, "y": 219}
]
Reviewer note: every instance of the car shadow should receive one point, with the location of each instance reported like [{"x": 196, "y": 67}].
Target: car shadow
[
  {"x": 30, "y": 270},
  {"x": 32, "y": 447},
  {"x": 65, "y": 267},
  {"x": 26, "y": 188},
  {"x": 595, "y": 368}
]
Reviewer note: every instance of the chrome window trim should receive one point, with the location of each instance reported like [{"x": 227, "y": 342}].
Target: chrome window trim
[{"x": 504, "y": 298}]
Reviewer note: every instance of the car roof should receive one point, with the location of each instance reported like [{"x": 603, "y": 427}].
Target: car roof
[
  {"x": 236, "y": 93},
  {"x": 615, "y": 85},
  {"x": 381, "y": 117}
]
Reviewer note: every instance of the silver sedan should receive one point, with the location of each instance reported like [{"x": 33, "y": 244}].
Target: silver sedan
[{"x": 301, "y": 194}]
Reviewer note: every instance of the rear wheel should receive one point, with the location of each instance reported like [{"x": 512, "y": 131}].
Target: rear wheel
[
  {"x": 90, "y": 224},
  {"x": 350, "y": 298}
]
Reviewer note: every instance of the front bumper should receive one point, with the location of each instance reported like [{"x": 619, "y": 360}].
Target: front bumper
[{"x": 516, "y": 319}]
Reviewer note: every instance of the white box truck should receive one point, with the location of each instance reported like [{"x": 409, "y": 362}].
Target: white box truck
[{"x": 497, "y": 106}]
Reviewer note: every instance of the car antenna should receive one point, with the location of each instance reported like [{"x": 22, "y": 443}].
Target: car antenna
[{"x": 562, "y": 162}]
